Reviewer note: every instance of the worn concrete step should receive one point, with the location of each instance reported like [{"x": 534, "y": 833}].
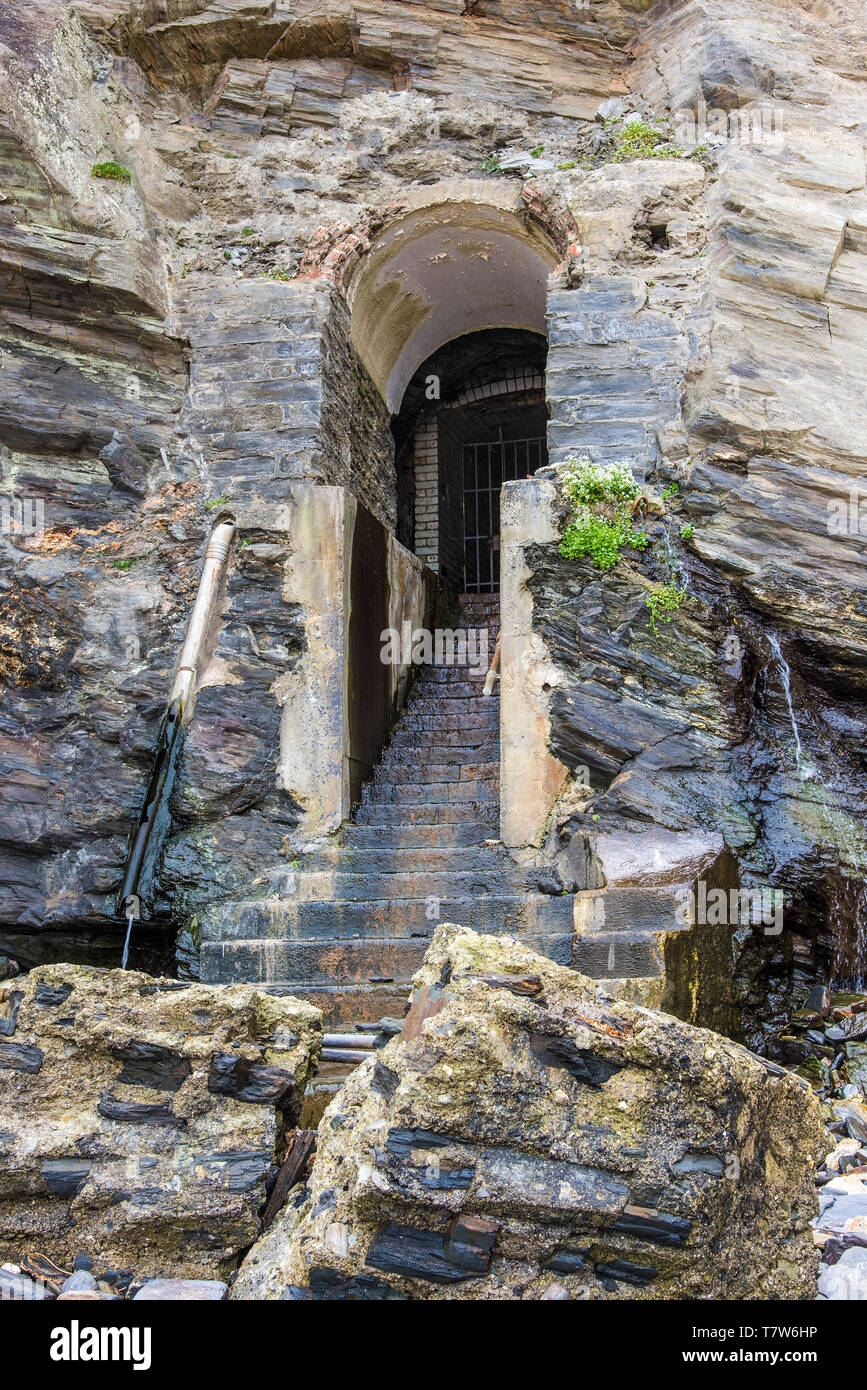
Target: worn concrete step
[
  {"x": 624, "y": 954},
  {"x": 332, "y": 885},
  {"x": 488, "y": 721},
  {"x": 471, "y": 603},
  {"x": 630, "y": 909},
  {"x": 432, "y": 754},
  {"x": 276, "y": 917},
  {"x": 345, "y": 960},
  {"x": 388, "y": 860},
  {"x": 434, "y": 676},
  {"x": 455, "y": 703},
  {"x": 397, "y": 836},
  {"x": 429, "y": 774},
  {"x": 430, "y": 793},
  {"x": 431, "y": 813},
  {"x": 355, "y": 1003},
  {"x": 407, "y": 738}
]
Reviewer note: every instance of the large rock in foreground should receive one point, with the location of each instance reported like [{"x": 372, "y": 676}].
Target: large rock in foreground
[
  {"x": 141, "y": 1119},
  {"x": 528, "y": 1137}
]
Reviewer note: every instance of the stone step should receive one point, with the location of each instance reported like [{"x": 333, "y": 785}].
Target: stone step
[
  {"x": 349, "y": 960},
  {"x": 343, "y": 1004},
  {"x": 488, "y": 721},
  {"x": 333, "y": 885},
  {"x": 629, "y": 909},
  {"x": 425, "y": 774},
  {"x": 473, "y": 601},
  {"x": 396, "y": 836},
  {"x": 432, "y": 677},
  {"x": 618, "y": 955},
  {"x": 462, "y": 755},
  {"x": 431, "y": 813},
  {"x": 283, "y": 917},
  {"x": 431, "y": 793},
  {"x": 388, "y": 860},
  {"x": 455, "y": 703},
  {"x": 411, "y": 740}
]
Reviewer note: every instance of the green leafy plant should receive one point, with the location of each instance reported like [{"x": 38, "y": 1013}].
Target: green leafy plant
[
  {"x": 663, "y": 601},
  {"x": 587, "y": 483},
  {"x": 537, "y": 151},
  {"x": 281, "y": 272},
  {"x": 670, "y": 491},
  {"x": 640, "y": 139},
  {"x": 570, "y": 164},
  {"x": 687, "y": 532},
  {"x": 111, "y": 170},
  {"x": 122, "y": 565},
  {"x": 248, "y": 231},
  {"x": 216, "y": 502},
  {"x": 602, "y": 497},
  {"x": 492, "y": 164}
]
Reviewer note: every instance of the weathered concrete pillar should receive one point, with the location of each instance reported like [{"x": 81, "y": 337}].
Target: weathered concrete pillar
[
  {"x": 353, "y": 581},
  {"x": 313, "y": 762},
  {"x": 530, "y": 777}
]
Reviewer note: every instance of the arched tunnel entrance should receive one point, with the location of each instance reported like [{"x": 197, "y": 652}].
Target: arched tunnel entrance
[
  {"x": 473, "y": 417},
  {"x": 448, "y": 316}
]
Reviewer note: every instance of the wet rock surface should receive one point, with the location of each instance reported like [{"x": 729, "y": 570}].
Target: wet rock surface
[
  {"x": 825, "y": 1042},
  {"x": 143, "y": 1119},
  {"x": 528, "y": 1137}
]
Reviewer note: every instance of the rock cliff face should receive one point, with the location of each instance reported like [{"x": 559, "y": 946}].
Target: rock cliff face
[
  {"x": 528, "y": 1137},
  {"x": 181, "y": 342},
  {"x": 143, "y": 1119}
]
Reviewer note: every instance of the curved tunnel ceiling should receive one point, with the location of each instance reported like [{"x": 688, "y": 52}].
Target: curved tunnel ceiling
[{"x": 441, "y": 272}]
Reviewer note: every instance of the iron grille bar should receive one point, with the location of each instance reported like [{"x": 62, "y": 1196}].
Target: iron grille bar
[{"x": 501, "y": 462}]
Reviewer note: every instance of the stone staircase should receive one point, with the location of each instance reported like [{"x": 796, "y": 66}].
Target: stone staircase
[{"x": 348, "y": 925}]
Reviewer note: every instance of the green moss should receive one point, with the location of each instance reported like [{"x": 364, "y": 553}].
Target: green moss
[
  {"x": 122, "y": 564},
  {"x": 111, "y": 170}
]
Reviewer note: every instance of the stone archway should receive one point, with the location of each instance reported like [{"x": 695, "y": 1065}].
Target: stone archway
[{"x": 475, "y": 259}]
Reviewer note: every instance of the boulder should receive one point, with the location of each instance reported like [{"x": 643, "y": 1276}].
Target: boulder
[
  {"x": 529, "y": 1137},
  {"x": 847, "y": 1279},
  {"x": 142, "y": 1119}
]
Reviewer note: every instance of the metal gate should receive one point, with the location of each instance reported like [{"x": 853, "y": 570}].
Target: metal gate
[{"x": 486, "y": 467}]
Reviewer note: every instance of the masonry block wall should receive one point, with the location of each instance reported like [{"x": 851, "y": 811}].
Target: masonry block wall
[{"x": 615, "y": 373}]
